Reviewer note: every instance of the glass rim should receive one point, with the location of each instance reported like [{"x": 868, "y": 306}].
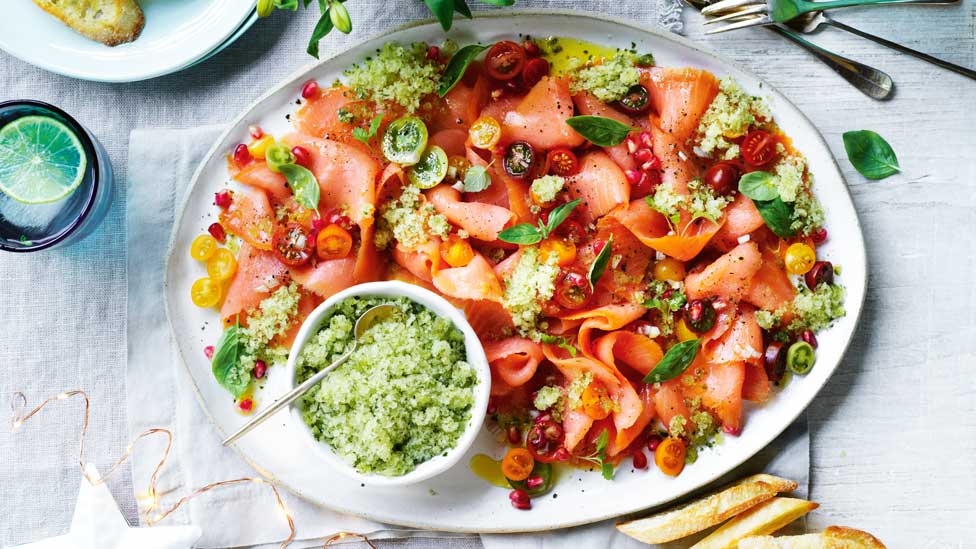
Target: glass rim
[{"x": 89, "y": 147}]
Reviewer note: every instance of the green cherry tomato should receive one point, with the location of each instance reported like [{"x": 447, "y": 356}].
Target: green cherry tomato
[
  {"x": 405, "y": 140},
  {"x": 541, "y": 470},
  {"x": 278, "y": 155},
  {"x": 431, "y": 169},
  {"x": 800, "y": 358}
]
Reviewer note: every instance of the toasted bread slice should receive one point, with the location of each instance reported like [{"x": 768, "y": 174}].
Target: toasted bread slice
[
  {"x": 834, "y": 537},
  {"x": 763, "y": 519},
  {"x": 111, "y": 22}
]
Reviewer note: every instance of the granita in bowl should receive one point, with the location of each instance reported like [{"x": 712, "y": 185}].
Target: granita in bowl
[{"x": 409, "y": 401}]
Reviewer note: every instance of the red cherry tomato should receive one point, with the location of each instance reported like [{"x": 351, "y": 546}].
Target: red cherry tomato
[
  {"x": 563, "y": 162},
  {"x": 534, "y": 70},
  {"x": 293, "y": 245},
  {"x": 758, "y": 148},
  {"x": 505, "y": 60},
  {"x": 722, "y": 177},
  {"x": 571, "y": 231},
  {"x": 573, "y": 290}
]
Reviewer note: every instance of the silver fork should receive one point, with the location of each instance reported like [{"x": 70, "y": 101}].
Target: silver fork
[{"x": 751, "y": 13}]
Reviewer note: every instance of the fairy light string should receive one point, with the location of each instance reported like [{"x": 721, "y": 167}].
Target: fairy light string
[{"x": 19, "y": 404}]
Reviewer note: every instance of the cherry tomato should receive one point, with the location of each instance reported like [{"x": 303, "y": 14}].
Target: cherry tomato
[
  {"x": 456, "y": 251},
  {"x": 723, "y": 177},
  {"x": 563, "y": 162},
  {"x": 203, "y": 247},
  {"x": 333, "y": 242},
  {"x": 222, "y": 265},
  {"x": 670, "y": 456},
  {"x": 669, "y": 268},
  {"x": 822, "y": 272},
  {"x": 563, "y": 249},
  {"x": 596, "y": 401},
  {"x": 699, "y": 315},
  {"x": 799, "y": 258},
  {"x": 517, "y": 464},
  {"x": 683, "y": 332},
  {"x": 637, "y": 100},
  {"x": 519, "y": 158},
  {"x": 505, "y": 60},
  {"x": 292, "y": 245},
  {"x": 485, "y": 132},
  {"x": 758, "y": 148},
  {"x": 534, "y": 70},
  {"x": 571, "y": 231},
  {"x": 206, "y": 292},
  {"x": 573, "y": 290}
]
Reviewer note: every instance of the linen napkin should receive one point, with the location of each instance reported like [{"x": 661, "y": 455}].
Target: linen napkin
[{"x": 160, "y": 394}]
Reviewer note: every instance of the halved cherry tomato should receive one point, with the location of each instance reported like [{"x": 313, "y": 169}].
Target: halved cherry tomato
[
  {"x": 333, "y": 242},
  {"x": 222, "y": 265},
  {"x": 292, "y": 245},
  {"x": 571, "y": 230},
  {"x": 519, "y": 159},
  {"x": 505, "y": 60},
  {"x": 758, "y": 148},
  {"x": 596, "y": 401},
  {"x": 637, "y": 100},
  {"x": 683, "y": 332},
  {"x": 670, "y": 456},
  {"x": 517, "y": 464},
  {"x": 563, "y": 250},
  {"x": 534, "y": 70},
  {"x": 485, "y": 132},
  {"x": 563, "y": 162},
  {"x": 723, "y": 177},
  {"x": 799, "y": 258},
  {"x": 456, "y": 251},
  {"x": 203, "y": 247},
  {"x": 669, "y": 268},
  {"x": 573, "y": 290},
  {"x": 206, "y": 292}
]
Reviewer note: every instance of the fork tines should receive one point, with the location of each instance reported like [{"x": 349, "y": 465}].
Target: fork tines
[
  {"x": 740, "y": 21},
  {"x": 730, "y": 5}
]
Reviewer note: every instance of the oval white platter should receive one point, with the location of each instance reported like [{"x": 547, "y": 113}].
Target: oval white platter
[
  {"x": 457, "y": 500},
  {"x": 176, "y": 35}
]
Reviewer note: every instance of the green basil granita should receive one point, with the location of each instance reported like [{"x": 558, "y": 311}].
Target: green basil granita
[{"x": 404, "y": 396}]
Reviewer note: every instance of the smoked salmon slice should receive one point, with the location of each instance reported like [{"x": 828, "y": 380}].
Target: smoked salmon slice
[
  {"x": 326, "y": 278},
  {"x": 723, "y": 394},
  {"x": 588, "y": 105},
  {"x": 740, "y": 218},
  {"x": 452, "y": 141},
  {"x": 260, "y": 176},
  {"x": 742, "y": 342},
  {"x": 259, "y": 273},
  {"x": 755, "y": 385},
  {"x": 250, "y": 217},
  {"x": 476, "y": 280},
  {"x": 729, "y": 276},
  {"x": 626, "y": 436},
  {"x": 601, "y": 185},
  {"x": 669, "y": 402},
  {"x": 771, "y": 287},
  {"x": 540, "y": 119},
  {"x": 480, "y": 220},
  {"x": 488, "y": 319},
  {"x": 637, "y": 352},
  {"x": 606, "y": 318},
  {"x": 422, "y": 261},
  {"x": 460, "y": 107},
  {"x": 680, "y": 96},
  {"x": 514, "y": 359}
]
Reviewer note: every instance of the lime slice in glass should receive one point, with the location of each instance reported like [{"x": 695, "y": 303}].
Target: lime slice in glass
[{"x": 41, "y": 160}]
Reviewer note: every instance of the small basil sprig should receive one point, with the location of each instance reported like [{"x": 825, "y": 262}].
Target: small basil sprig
[
  {"x": 560, "y": 342},
  {"x": 759, "y": 186},
  {"x": 599, "y": 130},
  {"x": 527, "y": 235},
  {"x": 674, "y": 362},
  {"x": 476, "y": 179},
  {"x": 778, "y": 216},
  {"x": 457, "y": 65},
  {"x": 599, "y": 455},
  {"x": 227, "y": 359},
  {"x": 870, "y": 154},
  {"x": 599, "y": 265},
  {"x": 364, "y": 136},
  {"x": 302, "y": 184}
]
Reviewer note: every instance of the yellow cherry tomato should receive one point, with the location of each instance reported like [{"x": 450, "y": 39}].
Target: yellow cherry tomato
[
  {"x": 669, "y": 268},
  {"x": 456, "y": 251},
  {"x": 485, "y": 132},
  {"x": 206, "y": 293},
  {"x": 457, "y": 166},
  {"x": 564, "y": 251},
  {"x": 203, "y": 247},
  {"x": 259, "y": 147},
  {"x": 222, "y": 265},
  {"x": 596, "y": 401},
  {"x": 683, "y": 332},
  {"x": 799, "y": 258}
]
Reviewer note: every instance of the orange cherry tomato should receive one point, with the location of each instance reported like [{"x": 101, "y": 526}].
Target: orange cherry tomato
[
  {"x": 563, "y": 162},
  {"x": 485, "y": 132},
  {"x": 563, "y": 249},
  {"x": 596, "y": 401},
  {"x": 758, "y": 148},
  {"x": 517, "y": 464},
  {"x": 456, "y": 251},
  {"x": 669, "y": 268},
  {"x": 670, "y": 456},
  {"x": 333, "y": 242}
]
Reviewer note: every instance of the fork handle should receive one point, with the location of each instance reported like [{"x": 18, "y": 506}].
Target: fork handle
[
  {"x": 868, "y": 80},
  {"x": 784, "y": 11},
  {"x": 903, "y": 49}
]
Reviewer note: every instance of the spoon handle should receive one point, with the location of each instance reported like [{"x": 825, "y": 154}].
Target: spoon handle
[
  {"x": 869, "y": 80},
  {"x": 903, "y": 49},
  {"x": 286, "y": 399}
]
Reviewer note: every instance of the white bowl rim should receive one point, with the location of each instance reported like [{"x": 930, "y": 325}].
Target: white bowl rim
[{"x": 475, "y": 355}]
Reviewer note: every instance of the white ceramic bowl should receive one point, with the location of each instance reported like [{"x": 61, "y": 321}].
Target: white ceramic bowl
[{"x": 475, "y": 357}]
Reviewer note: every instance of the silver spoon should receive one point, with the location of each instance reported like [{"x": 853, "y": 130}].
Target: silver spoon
[
  {"x": 811, "y": 22},
  {"x": 363, "y": 323}
]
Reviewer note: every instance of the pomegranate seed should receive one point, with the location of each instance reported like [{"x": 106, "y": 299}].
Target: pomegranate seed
[
  {"x": 653, "y": 442},
  {"x": 643, "y": 155},
  {"x": 820, "y": 235},
  {"x": 643, "y": 187},
  {"x": 223, "y": 199},
  {"x": 534, "y": 482},
  {"x": 208, "y": 351},
  {"x": 260, "y": 368},
  {"x": 631, "y": 144},
  {"x": 598, "y": 246},
  {"x": 302, "y": 156},
  {"x": 492, "y": 407},
  {"x": 543, "y": 418},
  {"x": 310, "y": 89},
  {"x": 246, "y": 404},
  {"x": 640, "y": 460},
  {"x": 646, "y": 140},
  {"x": 216, "y": 230},
  {"x": 809, "y": 337},
  {"x": 514, "y": 434},
  {"x": 633, "y": 176},
  {"x": 730, "y": 430},
  {"x": 255, "y": 131},
  {"x": 653, "y": 164},
  {"x": 531, "y": 48},
  {"x": 433, "y": 53},
  {"x": 520, "y": 499},
  {"x": 242, "y": 156},
  {"x": 553, "y": 432},
  {"x": 318, "y": 224},
  {"x": 561, "y": 454}
]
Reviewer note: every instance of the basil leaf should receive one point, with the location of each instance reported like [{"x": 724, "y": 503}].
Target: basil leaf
[
  {"x": 599, "y": 265},
  {"x": 362, "y": 135},
  {"x": 302, "y": 184},
  {"x": 499, "y": 2},
  {"x": 601, "y": 131},
  {"x": 559, "y": 214},
  {"x": 476, "y": 179},
  {"x": 606, "y": 469},
  {"x": 601, "y": 442},
  {"x": 674, "y": 362},
  {"x": 226, "y": 363},
  {"x": 461, "y": 7},
  {"x": 443, "y": 10},
  {"x": 290, "y": 5},
  {"x": 870, "y": 154},
  {"x": 524, "y": 234},
  {"x": 457, "y": 65},
  {"x": 322, "y": 28},
  {"x": 778, "y": 216},
  {"x": 560, "y": 342},
  {"x": 759, "y": 186}
]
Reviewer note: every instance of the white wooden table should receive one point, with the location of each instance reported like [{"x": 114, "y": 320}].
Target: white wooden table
[{"x": 893, "y": 433}]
